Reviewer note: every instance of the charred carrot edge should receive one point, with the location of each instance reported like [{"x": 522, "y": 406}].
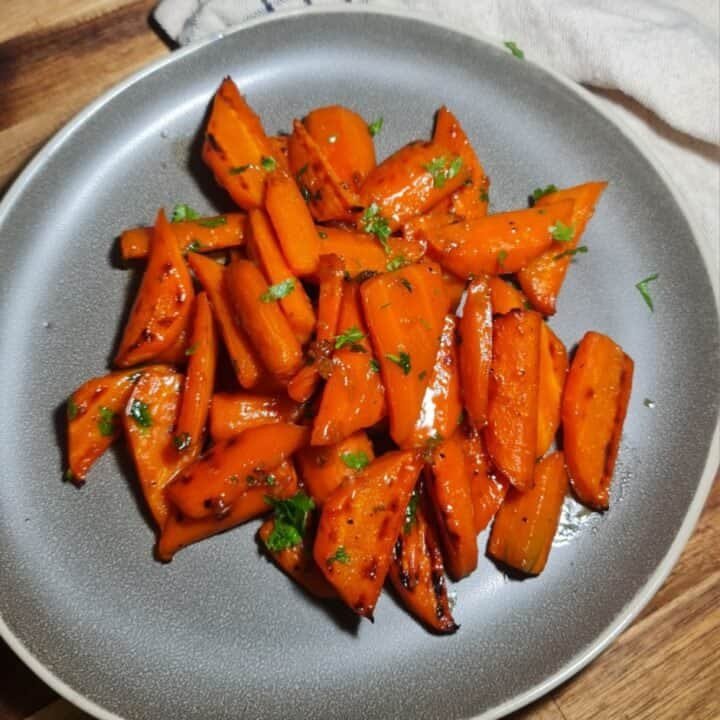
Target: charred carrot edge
[{"x": 553, "y": 371}]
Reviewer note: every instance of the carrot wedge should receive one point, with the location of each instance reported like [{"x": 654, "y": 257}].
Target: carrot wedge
[
  {"x": 542, "y": 278},
  {"x": 496, "y": 244},
  {"x": 405, "y": 310},
  {"x": 149, "y": 421},
  {"x": 213, "y": 483},
  {"x": 525, "y": 525},
  {"x": 504, "y": 296},
  {"x": 180, "y": 531},
  {"x": 162, "y": 304},
  {"x": 359, "y": 525},
  {"x": 358, "y": 251},
  {"x": 448, "y": 485},
  {"x": 212, "y": 277},
  {"x": 353, "y": 397},
  {"x": 417, "y": 571},
  {"x": 594, "y": 406},
  {"x": 233, "y": 413},
  {"x": 511, "y": 432},
  {"x": 205, "y": 234},
  {"x": 475, "y": 331},
  {"x": 199, "y": 381},
  {"x": 553, "y": 371}
]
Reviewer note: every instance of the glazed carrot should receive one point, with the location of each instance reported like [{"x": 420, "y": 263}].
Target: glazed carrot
[
  {"x": 353, "y": 397},
  {"x": 343, "y": 137},
  {"x": 417, "y": 572},
  {"x": 262, "y": 319},
  {"x": 542, "y": 278},
  {"x": 470, "y": 200},
  {"x": 330, "y": 273},
  {"x": 279, "y": 148},
  {"x": 448, "y": 485},
  {"x": 199, "y": 381},
  {"x": 180, "y": 531},
  {"x": 213, "y": 483},
  {"x": 357, "y": 251},
  {"x": 412, "y": 180},
  {"x": 511, "y": 431},
  {"x": 504, "y": 296},
  {"x": 293, "y": 224},
  {"x": 175, "y": 353},
  {"x": 439, "y": 215},
  {"x": 526, "y": 524},
  {"x": 233, "y": 413},
  {"x": 162, "y": 304},
  {"x": 297, "y": 562},
  {"x": 359, "y": 525},
  {"x": 553, "y": 371},
  {"x": 475, "y": 331},
  {"x": 405, "y": 311},
  {"x": 441, "y": 408},
  {"x": 328, "y": 197},
  {"x": 205, "y": 234},
  {"x": 324, "y": 468},
  {"x": 212, "y": 277},
  {"x": 149, "y": 421},
  {"x": 264, "y": 249},
  {"x": 496, "y": 244},
  {"x": 454, "y": 289},
  {"x": 236, "y": 148},
  {"x": 594, "y": 405},
  {"x": 93, "y": 419},
  {"x": 487, "y": 487}
]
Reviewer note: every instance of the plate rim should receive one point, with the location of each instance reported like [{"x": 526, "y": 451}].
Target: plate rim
[{"x": 641, "y": 598}]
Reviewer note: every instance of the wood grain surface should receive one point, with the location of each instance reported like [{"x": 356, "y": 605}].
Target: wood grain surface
[{"x": 58, "y": 55}]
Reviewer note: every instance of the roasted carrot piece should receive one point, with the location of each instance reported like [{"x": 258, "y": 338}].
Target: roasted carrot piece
[
  {"x": 553, "y": 371},
  {"x": 236, "y": 148},
  {"x": 511, "y": 431},
  {"x": 175, "y": 353},
  {"x": 264, "y": 249},
  {"x": 357, "y": 251},
  {"x": 293, "y": 224},
  {"x": 233, "y": 413},
  {"x": 438, "y": 215},
  {"x": 358, "y": 527},
  {"x": 475, "y": 330},
  {"x": 199, "y": 381},
  {"x": 149, "y": 420},
  {"x": 405, "y": 310},
  {"x": 324, "y": 468},
  {"x": 205, "y": 234},
  {"x": 487, "y": 487},
  {"x": 212, "y": 277},
  {"x": 504, "y": 296},
  {"x": 93, "y": 419},
  {"x": 212, "y": 484},
  {"x": 526, "y": 524},
  {"x": 353, "y": 397},
  {"x": 441, "y": 408},
  {"x": 262, "y": 319},
  {"x": 327, "y": 196},
  {"x": 594, "y": 406},
  {"x": 542, "y": 278},
  {"x": 454, "y": 289},
  {"x": 417, "y": 572},
  {"x": 180, "y": 531},
  {"x": 279, "y": 148},
  {"x": 162, "y": 304},
  {"x": 496, "y": 244},
  {"x": 470, "y": 200},
  {"x": 343, "y": 136},
  {"x": 448, "y": 485}
]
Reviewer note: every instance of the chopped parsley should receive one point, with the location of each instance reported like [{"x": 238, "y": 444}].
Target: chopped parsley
[
  {"x": 268, "y": 163},
  {"x": 140, "y": 413},
  {"x": 571, "y": 253},
  {"x": 351, "y": 336},
  {"x": 238, "y": 169},
  {"x": 192, "y": 349},
  {"x": 375, "y": 126},
  {"x": 291, "y": 517},
  {"x": 402, "y": 360},
  {"x": 72, "y": 409},
  {"x": 374, "y": 367},
  {"x": 355, "y": 460},
  {"x": 322, "y": 235},
  {"x": 213, "y": 222},
  {"x": 193, "y": 246},
  {"x": 501, "y": 258},
  {"x": 561, "y": 232},
  {"x": 511, "y": 45},
  {"x": 397, "y": 262},
  {"x": 538, "y": 193},
  {"x": 182, "y": 212},
  {"x": 483, "y": 196},
  {"x": 406, "y": 284},
  {"x": 340, "y": 556},
  {"x": 644, "y": 290},
  {"x": 411, "y": 512},
  {"x": 375, "y": 224},
  {"x": 278, "y": 291},
  {"x": 107, "y": 421},
  {"x": 443, "y": 169},
  {"x": 259, "y": 477},
  {"x": 182, "y": 441}
]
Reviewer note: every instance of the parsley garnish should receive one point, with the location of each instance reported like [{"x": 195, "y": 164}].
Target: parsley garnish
[
  {"x": 183, "y": 212},
  {"x": 340, "y": 556},
  {"x": 374, "y": 366},
  {"x": 375, "y": 224},
  {"x": 322, "y": 235},
  {"x": 406, "y": 284},
  {"x": 561, "y": 232},
  {"x": 397, "y": 262},
  {"x": 72, "y": 409},
  {"x": 643, "y": 289},
  {"x": 193, "y": 246},
  {"x": 213, "y": 222},
  {"x": 182, "y": 441},
  {"x": 402, "y": 359},
  {"x": 192, "y": 349},
  {"x": 411, "y": 512},
  {"x": 440, "y": 170},
  {"x": 140, "y": 413},
  {"x": 268, "y": 163},
  {"x": 375, "y": 127},
  {"x": 239, "y": 169},
  {"x": 501, "y": 258},
  {"x": 291, "y": 517},
  {"x": 570, "y": 253},
  {"x": 278, "y": 291},
  {"x": 107, "y": 421},
  {"x": 484, "y": 197},
  {"x": 351, "y": 336},
  {"x": 511, "y": 45},
  {"x": 355, "y": 460},
  {"x": 538, "y": 193}
]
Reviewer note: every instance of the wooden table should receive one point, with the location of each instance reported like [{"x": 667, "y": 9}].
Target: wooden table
[{"x": 56, "y": 56}]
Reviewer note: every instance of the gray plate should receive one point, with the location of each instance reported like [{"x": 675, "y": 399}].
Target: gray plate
[{"x": 220, "y": 633}]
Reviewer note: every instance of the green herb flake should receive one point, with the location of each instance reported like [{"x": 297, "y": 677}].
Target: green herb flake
[
  {"x": 259, "y": 477},
  {"x": 443, "y": 169},
  {"x": 69, "y": 475},
  {"x": 561, "y": 232},
  {"x": 213, "y": 222},
  {"x": 291, "y": 518},
  {"x": 239, "y": 169},
  {"x": 375, "y": 127},
  {"x": 72, "y": 409},
  {"x": 539, "y": 192},
  {"x": 402, "y": 360},
  {"x": 278, "y": 291},
  {"x": 375, "y": 224},
  {"x": 182, "y": 441},
  {"x": 140, "y": 413},
  {"x": 644, "y": 290},
  {"x": 340, "y": 555},
  {"x": 501, "y": 258},
  {"x": 648, "y": 403},
  {"x": 322, "y": 235},
  {"x": 483, "y": 196},
  {"x": 406, "y": 284},
  {"x": 355, "y": 460},
  {"x": 411, "y": 512},
  {"x": 349, "y": 337},
  {"x": 374, "y": 366},
  {"x": 107, "y": 421},
  {"x": 422, "y": 375},
  {"x": 193, "y": 246},
  {"x": 268, "y": 163},
  {"x": 396, "y": 262},
  {"x": 182, "y": 212},
  {"x": 192, "y": 349},
  {"x": 511, "y": 45},
  {"x": 571, "y": 253}
]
